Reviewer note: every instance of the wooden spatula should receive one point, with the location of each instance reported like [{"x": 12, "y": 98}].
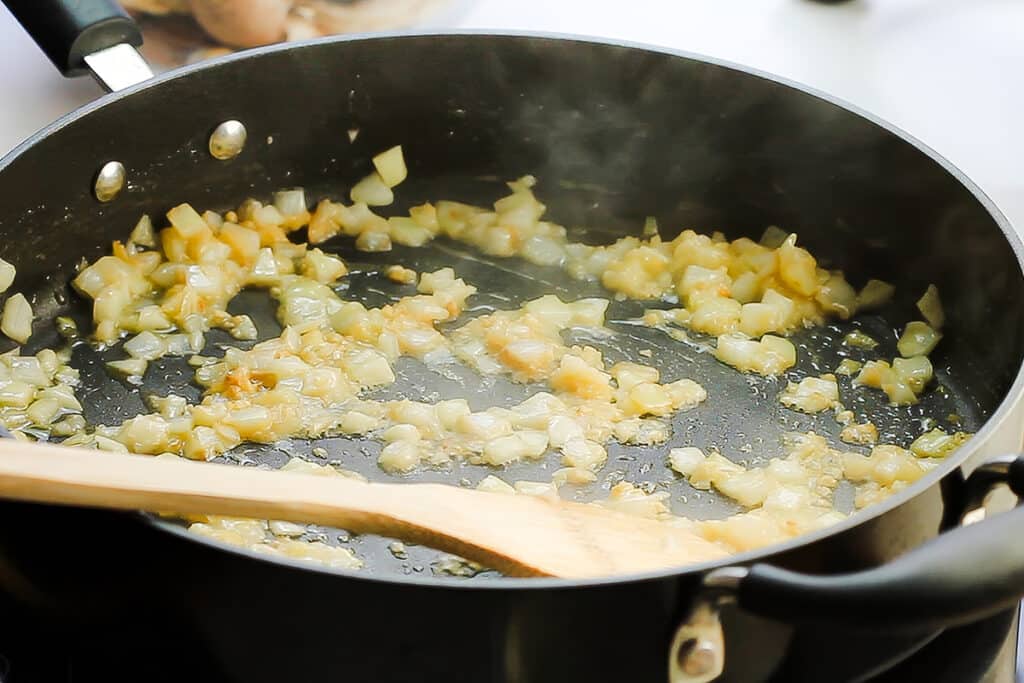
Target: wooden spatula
[{"x": 517, "y": 534}]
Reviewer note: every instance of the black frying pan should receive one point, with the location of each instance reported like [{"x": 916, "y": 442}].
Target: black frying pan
[{"x": 614, "y": 133}]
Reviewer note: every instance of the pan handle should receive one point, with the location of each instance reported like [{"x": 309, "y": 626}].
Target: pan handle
[
  {"x": 85, "y": 36},
  {"x": 962, "y": 576}
]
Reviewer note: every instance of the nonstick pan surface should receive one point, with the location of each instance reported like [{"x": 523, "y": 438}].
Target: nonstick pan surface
[{"x": 742, "y": 417}]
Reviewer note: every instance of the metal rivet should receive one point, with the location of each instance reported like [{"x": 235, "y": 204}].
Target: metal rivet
[
  {"x": 699, "y": 659},
  {"x": 109, "y": 181},
  {"x": 697, "y": 653},
  {"x": 227, "y": 140}
]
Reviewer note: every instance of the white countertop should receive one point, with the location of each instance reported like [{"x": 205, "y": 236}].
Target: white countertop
[{"x": 947, "y": 71}]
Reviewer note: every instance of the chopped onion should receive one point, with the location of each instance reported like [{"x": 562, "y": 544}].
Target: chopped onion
[
  {"x": 143, "y": 234},
  {"x": 213, "y": 219},
  {"x": 812, "y": 394},
  {"x": 390, "y": 166},
  {"x": 931, "y": 307},
  {"x": 28, "y": 369},
  {"x": 264, "y": 270},
  {"x": 408, "y": 232},
  {"x": 916, "y": 372},
  {"x": 848, "y": 366},
  {"x": 16, "y": 322},
  {"x": 860, "y": 340},
  {"x": 288, "y": 529},
  {"x": 290, "y": 202},
  {"x": 875, "y": 294},
  {"x": 244, "y": 329},
  {"x": 67, "y": 328},
  {"x": 774, "y": 237},
  {"x": 372, "y": 191},
  {"x": 650, "y": 227},
  {"x": 373, "y": 241},
  {"x": 186, "y": 221},
  {"x": 7, "y": 272},
  {"x": 937, "y": 443},
  {"x": 685, "y": 460},
  {"x": 145, "y": 345},
  {"x": 129, "y": 367},
  {"x": 16, "y": 394},
  {"x": 918, "y": 339}
]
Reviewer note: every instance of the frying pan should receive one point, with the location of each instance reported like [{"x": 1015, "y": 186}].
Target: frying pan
[{"x": 615, "y": 133}]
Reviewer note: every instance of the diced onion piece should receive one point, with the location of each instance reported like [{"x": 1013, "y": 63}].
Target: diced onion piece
[
  {"x": 650, "y": 227},
  {"x": 812, "y": 394},
  {"x": 408, "y": 232},
  {"x": 287, "y": 529},
  {"x": 537, "y": 488},
  {"x": 797, "y": 267},
  {"x": 290, "y": 202},
  {"x": 129, "y": 367},
  {"x": 146, "y": 346},
  {"x": 16, "y": 322},
  {"x": 7, "y": 272},
  {"x": 647, "y": 398},
  {"x": 264, "y": 270},
  {"x": 627, "y": 498},
  {"x": 572, "y": 475},
  {"x": 28, "y": 369},
  {"x": 773, "y": 237},
  {"x": 324, "y": 268},
  {"x": 373, "y": 241},
  {"x": 390, "y": 166},
  {"x": 43, "y": 411},
  {"x": 372, "y": 191},
  {"x": 213, "y": 219},
  {"x": 838, "y": 297},
  {"x": 916, "y": 371},
  {"x": 918, "y": 339},
  {"x": 14, "y": 394},
  {"x": 685, "y": 460},
  {"x": 931, "y": 307},
  {"x": 848, "y": 366},
  {"x": 66, "y": 327},
  {"x": 400, "y": 274},
  {"x": 493, "y": 484},
  {"x": 937, "y": 443},
  {"x": 186, "y": 221},
  {"x": 902, "y": 381},
  {"x": 244, "y": 242},
  {"x": 143, "y": 234},
  {"x": 769, "y": 356},
  {"x": 864, "y": 434},
  {"x": 399, "y": 457},
  {"x": 875, "y": 294},
  {"x": 860, "y": 340},
  {"x": 105, "y": 443}
]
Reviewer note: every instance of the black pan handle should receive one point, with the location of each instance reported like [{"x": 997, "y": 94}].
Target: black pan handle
[
  {"x": 960, "y": 577},
  {"x": 68, "y": 30}
]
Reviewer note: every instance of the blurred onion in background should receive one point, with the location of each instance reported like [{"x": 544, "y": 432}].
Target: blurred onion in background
[{"x": 184, "y": 31}]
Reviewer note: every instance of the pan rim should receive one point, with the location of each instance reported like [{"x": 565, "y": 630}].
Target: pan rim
[{"x": 988, "y": 429}]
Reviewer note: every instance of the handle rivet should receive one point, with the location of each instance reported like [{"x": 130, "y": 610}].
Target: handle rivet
[
  {"x": 109, "y": 181},
  {"x": 697, "y": 652},
  {"x": 699, "y": 659},
  {"x": 227, "y": 140}
]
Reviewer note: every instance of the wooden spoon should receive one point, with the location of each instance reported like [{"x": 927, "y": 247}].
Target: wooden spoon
[{"x": 519, "y": 535}]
